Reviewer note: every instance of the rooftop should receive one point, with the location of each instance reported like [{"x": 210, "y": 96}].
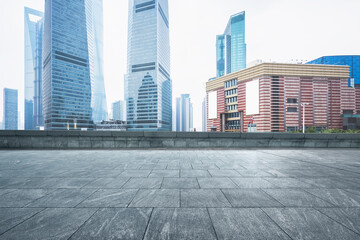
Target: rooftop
[
  {"x": 282, "y": 69},
  {"x": 180, "y": 194}
]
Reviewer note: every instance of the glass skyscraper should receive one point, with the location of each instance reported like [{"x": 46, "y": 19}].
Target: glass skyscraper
[
  {"x": 94, "y": 19},
  {"x": 74, "y": 92},
  {"x": 10, "y": 109},
  {"x": 66, "y": 70},
  {"x": 148, "y": 86},
  {"x": 348, "y": 60},
  {"x": 231, "y": 46},
  {"x": 184, "y": 113},
  {"x": 33, "y": 23}
]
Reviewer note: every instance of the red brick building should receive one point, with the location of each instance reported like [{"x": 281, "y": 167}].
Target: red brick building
[{"x": 268, "y": 98}]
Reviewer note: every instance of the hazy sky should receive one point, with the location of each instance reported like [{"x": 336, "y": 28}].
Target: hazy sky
[{"x": 280, "y": 30}]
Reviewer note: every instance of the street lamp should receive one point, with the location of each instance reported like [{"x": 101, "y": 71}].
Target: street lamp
[{"x": 303, "y": 105}]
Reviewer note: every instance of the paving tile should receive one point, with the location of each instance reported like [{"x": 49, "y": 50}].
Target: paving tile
[
  {"x": 135, "y": 173},
  {"x": 107, "y": 183},
  {"x": 118, "y": 223},
  {"x": 224, "y": 173},
  {"x": 203, "y": 198},
  {"x": 252, "y": 183},
  {"x": 296, "y": 198},
  {"x": 204, "y": 166},
  {"x": 288, "y": 183},
  {"x": 249, "y": 198},
  {"x": 349, "y": 217},
  {"x": 54, "y": 223},
  {"x": 254, "y": 173},
  {"x": 308, "y": 223},
  {"x": 194, "y": 173},
  {"x": 164, "y": 173},
  {"x": 153, "y": 166},
  {"x": 216, "y": 183},
  {"x": 337, "y": 197},
  {"x": 144, "y": 183},
  {"x": 28, "y": 183},
  {"x": 156, "y": 198},
  {"x": 62, "y": 198},
  {"x": 72, "y": 182},
  {"x": 180, "y": 223},
  {"x": 109, "y": 198},
  {"x": 10, "y": 217},
  {"x": 247, "y": 224},
  {"x": 342, "y": 183},
  {"x": 180, "y": 183},
  {"x": 22, "y": 197}
]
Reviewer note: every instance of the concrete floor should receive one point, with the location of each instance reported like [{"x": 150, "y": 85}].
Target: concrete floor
[{"x": 171, "y": 194}]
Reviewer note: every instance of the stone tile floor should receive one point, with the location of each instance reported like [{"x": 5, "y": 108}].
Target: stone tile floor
[{"x": 180, "y": 194}]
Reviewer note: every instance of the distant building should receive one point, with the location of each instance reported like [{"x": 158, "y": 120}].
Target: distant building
[
  {"x": 111, "y": 125},
  {"x": 204, "y": 113},
  {"x": 10, "y": 109},
  {"x": 231, "y": 46},
  {"x": 352, "y": 61},
  {"x": 148, "y": 86},
  {"x": 184, "y": 113},
  {"x": 118, "y": 109},
  {"x": 33, "y": 22},
  {"x": 268, "y": 98}
]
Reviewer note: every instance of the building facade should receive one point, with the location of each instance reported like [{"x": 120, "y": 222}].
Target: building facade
[
  {"x": 204, "y": 115},
  {"x": 231, "y": 46},
  {"x": 73, "y": 84},
  {"x": 33, "y": 32},
  {"x": 352, "y": 61},
  {"x": 268, "y": 98},
  {"x": 184, "y": 113},
  {"x": 10, "y": 109},
  {"x": 118, "y": 110},
  {"x": 148, "y": 86}
]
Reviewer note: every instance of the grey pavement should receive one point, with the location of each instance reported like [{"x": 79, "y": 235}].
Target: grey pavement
[{"x": 180, "y": 194}]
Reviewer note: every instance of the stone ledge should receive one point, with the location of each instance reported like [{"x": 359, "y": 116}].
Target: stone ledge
[{"x": 122, "y": 140}]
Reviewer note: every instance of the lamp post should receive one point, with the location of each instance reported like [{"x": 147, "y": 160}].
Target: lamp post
[{"x": 303, "y": 105}]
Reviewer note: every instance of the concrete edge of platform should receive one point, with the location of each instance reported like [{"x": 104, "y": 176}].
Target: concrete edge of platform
[{"x": 171, "y": 140}]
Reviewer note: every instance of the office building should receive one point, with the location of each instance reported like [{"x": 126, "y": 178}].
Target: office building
[
  {"x": 118, "y": 110},
  {"x": 148, "y": 87},
  {"x": 10, "y": 113},
  {"x": 352, "y": 61},
  {"x": 269, "y": 97},
  {"x": 73, "y": 82},
  {"x": 184, "y": 113},
  {"x": 33, "y": 32},
  {"x": 231, "y": 46},
  {"x": 204, "y": 115}
]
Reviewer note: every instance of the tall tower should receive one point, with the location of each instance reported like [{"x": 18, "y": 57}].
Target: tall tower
[
  {"x": 148, "y": 86},
  {"x": 33, "y": 31},
  {"x": 94, "y": 20},
  {"x": 10, "y": 109},
  {"x": 66, "y": 66},
  {"x": 231, "y": 46}
]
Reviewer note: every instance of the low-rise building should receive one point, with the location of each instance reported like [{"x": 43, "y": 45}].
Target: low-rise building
[
  {"x": 111, "y": 125},
  {"x": 269, "y": 97}
]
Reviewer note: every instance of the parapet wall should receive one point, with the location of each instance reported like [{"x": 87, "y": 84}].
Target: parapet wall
[{"x": 126, "y": 140}]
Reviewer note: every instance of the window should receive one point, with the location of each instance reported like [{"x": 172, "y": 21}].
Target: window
[
  {"x": 292, "y": 109},
  {"x": 230, "y": 83},
  {"x": 291, "y": 100},
  {"x": 291, "y": 129},
  {"x": 348, "y": 112}
]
